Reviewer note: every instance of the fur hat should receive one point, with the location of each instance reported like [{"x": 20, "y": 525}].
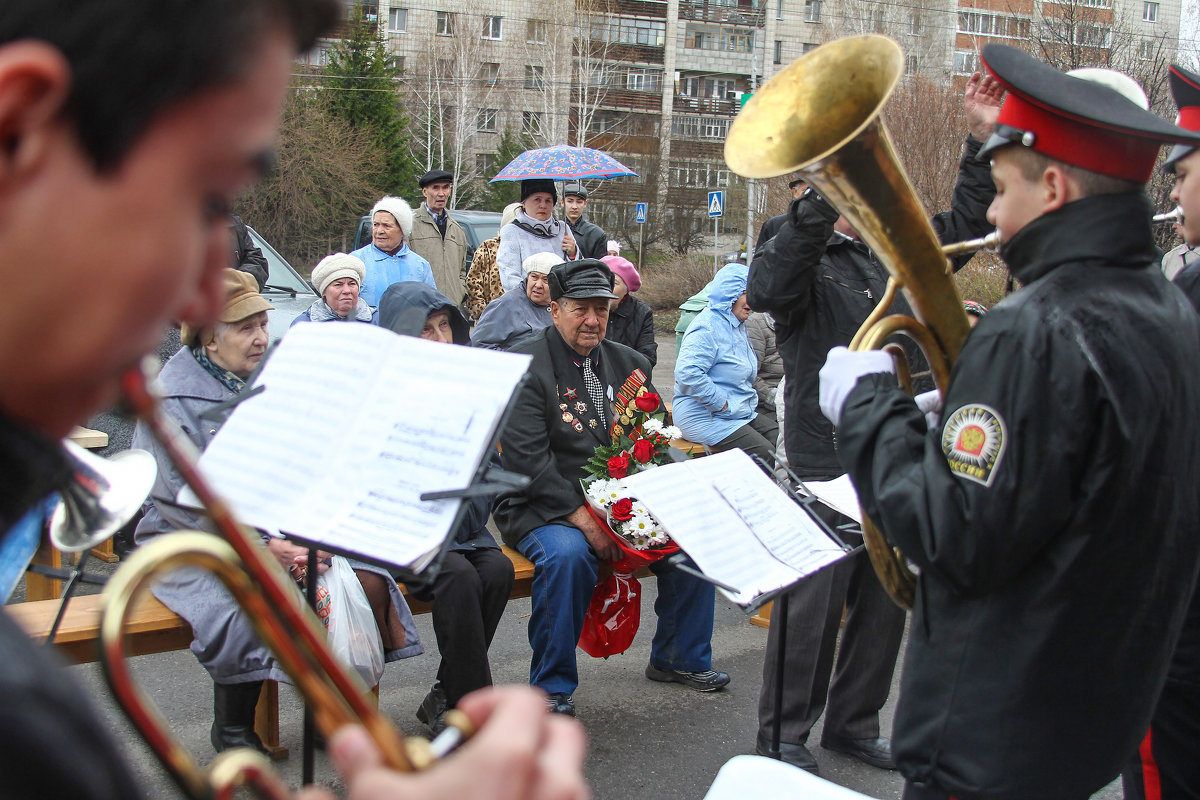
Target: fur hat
[
  {"x": 535, "y": 185},
  {"x": 625, "y": 270},
  {"x": 241, "y": 300},
  {"x": 338, "y": 265},
  {"x": 541, "y": 263},
  {"x": 398, "y": 209}
]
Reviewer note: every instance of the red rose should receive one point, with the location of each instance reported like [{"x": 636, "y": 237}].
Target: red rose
[
  {"x": 647, "y": 402},
  {"x": 643, "y": 451},
  {"x": 622, "y": 509},
  {"x": 618, "y": 466}
]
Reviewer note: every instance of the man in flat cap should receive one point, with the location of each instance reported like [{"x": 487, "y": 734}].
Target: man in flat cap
[
  {"x": 438, "y": 238},
  {"x": 1167, "y": 764},
  {"x": 591, "y": 238},
  {"x": 577, "y": 387},
  {"x": 1052, "y": 508}
]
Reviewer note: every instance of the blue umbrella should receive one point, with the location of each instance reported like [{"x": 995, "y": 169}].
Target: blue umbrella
[{"x": 563, "y": 162}]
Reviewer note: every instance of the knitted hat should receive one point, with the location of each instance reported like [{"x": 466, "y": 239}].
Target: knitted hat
[
  {"x": 538, "y": 185},
  {"x": 613, "y": 244},
  {"x": 398, "y": 209},
  {"x": 510, "y": 214},
  {"x": 338, "y": 265},
  {"x": 541, "y": 263},
  {"x": 625, "y": 270},
  {"x": 241, "y": 300}
]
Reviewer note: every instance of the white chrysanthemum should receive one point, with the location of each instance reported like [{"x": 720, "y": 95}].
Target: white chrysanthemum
[
  {"x": 639, "y": 509},
  {"x": 652, "y": 425},
  {"x": 615, "y": 491},
  {"x": 600, "y": 491},
  {"x": 671, "y": 432}
]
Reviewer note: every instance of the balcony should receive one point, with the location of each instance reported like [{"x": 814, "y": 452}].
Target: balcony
[{"x": 728, "y": 15}]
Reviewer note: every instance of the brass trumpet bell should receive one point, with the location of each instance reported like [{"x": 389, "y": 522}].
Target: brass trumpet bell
[{"x": 104, "y": 494}]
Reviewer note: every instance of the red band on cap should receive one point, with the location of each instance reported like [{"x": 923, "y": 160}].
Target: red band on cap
[
  {"x": 1117, "y": 154},
  {"x": 1189, "y": 118}
]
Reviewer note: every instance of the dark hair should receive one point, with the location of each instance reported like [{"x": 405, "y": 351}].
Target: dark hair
[
  {"x": 132, "y": 59},
  {"x": 1033, "y": 164}
]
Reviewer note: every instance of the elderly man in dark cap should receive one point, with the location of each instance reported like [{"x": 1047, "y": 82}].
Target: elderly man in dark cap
[
  {"x": 438, "y": 238},
  {"x": 562, "y": 413},
  {"x": 1052, "y": 507},
  {"x": 592, "y": 240}
]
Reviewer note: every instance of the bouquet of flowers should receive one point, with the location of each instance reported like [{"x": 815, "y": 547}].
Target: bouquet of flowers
[{"x": 640, "y": 440}]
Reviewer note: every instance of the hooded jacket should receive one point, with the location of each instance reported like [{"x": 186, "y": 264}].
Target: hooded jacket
[
  {"x": 403, "y": 309},
  {"x": 715, "y": 368},
  {"x": 383, "y": 270},
  {"x": 510, "y": 318},
  {"x": 1052, "y": 514}
]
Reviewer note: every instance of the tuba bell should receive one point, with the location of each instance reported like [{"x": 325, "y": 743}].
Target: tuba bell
[{"x": 821, "y": 117}]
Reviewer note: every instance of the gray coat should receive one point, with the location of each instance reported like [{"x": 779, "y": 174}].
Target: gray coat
[
  {"x": 225, "y": 642},
  {"x": 510, "y": 318},
  {"x": 761, "y": 330}
]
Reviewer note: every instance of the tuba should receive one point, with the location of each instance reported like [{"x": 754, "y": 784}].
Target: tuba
[
  {"x": 821, "y": 116},
  {"x": 290, "y": 630}
]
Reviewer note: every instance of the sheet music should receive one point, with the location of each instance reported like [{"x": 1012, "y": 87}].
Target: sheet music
[
  {"x": 735, "y": 523},
  {"x": 838, "y": 494},
  {"x": 355, "y": 424}
]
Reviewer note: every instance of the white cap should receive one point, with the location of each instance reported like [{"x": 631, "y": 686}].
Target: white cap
[
  {"x": 541, "y": 263},
  {"x": 614, "y": 246},
  {"x": 398, "y": 209}
]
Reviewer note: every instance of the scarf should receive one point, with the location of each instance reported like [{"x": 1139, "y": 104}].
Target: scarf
[
  {"x": 542, "y": 230},
  {"x": 320, "y": 311},
  {"x": 226, "y": 378}
]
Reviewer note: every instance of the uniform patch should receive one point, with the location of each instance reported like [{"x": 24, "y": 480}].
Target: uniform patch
[{"x": 973, "y": 440}]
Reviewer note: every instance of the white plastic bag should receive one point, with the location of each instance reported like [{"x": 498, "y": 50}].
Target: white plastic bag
[{"x": 353, "y": 635}]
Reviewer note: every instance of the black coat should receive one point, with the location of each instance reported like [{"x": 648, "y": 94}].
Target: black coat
[
  {"x": 246, "y": 255},
  {"x": 820, "y": 286},
  {"x": 540, "y": 442},
  {"x": 1053, "y": 514},
  {"x": 53, "y": 743},
  {"x": 590, "y": 237},
  {"x": 632, "y": 324}
]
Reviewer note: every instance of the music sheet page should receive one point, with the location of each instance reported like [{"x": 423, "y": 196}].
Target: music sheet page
[
  {"x": 737, "y": 525},
  {"x": 355, "y": 423},
  {"x": 838, "y": 494}
]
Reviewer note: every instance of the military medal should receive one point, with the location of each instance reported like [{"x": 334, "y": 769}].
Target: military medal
[
  {"x": 571, "y": 394},
  {"x": 580, "y": 407},
  {"x": 566, "y": 417},
  {"x": 578, "y": 426},
  {"x": 562, "y": 406},
  {"x": 592, "y": 424}
]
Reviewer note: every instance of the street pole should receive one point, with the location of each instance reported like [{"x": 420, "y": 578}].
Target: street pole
[
  {"x": 716, "y": 240},
  {"x": 641, "y": 241}
]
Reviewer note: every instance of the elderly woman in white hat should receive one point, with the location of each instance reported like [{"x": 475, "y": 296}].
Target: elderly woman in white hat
[
  {"x": 515, "y": 316},
  {"x": 388, "y": 258},
  {"x": 338, "y": 280}
]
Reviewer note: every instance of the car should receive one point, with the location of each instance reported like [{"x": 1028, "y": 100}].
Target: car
[
  {"x": 287, "y": 292},
  {"x": 478, "y": 225}
]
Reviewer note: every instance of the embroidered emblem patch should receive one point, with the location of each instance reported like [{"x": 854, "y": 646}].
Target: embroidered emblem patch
[{"x": 973, "y": 440}]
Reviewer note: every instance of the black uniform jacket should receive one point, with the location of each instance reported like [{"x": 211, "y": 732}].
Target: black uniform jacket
[
  {"x": 53, "y": 743},
  {"x": 820, "y": 286},
  {"x": 1053, "y": 514},
  {"x": 632, "y": 324},
  {"x": 553, "y": 429},
  {"x": 590, "y": 237}
]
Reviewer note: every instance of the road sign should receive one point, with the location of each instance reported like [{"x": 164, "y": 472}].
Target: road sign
[
  {"x": 641, "y": 212},
  {"x": 716, "y": 203}
]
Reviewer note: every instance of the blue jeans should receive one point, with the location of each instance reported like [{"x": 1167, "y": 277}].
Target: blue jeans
[{"x": 564, "y": 576}]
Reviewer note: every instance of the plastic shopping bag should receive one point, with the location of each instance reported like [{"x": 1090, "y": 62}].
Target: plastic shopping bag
[
  {"x": 353, "y": 635},
  {"x": 613, "y": 616}
]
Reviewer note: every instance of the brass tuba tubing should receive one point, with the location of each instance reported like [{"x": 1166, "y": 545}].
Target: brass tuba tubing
[
  {"x": 1174, "y": 215},
  {"x": 259, "y": 584}
]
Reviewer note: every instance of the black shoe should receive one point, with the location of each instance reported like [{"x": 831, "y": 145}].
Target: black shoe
[
  {"x": 876, "y": 752},
  {"x": 433, "y": 708},
  {"x": 795, "y": 754},
  {"x": 233, "y": 716},
  {"x": 561, "y": 703},
  {"x": 710, "y": 680}
]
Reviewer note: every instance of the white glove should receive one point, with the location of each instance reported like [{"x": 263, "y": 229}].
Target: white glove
[
  {"x": 841, "y": 372},
  {"x": 930, "y": 404}
]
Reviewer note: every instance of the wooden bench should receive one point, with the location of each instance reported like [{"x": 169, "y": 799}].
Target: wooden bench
[{"x": 154, "y": 628}]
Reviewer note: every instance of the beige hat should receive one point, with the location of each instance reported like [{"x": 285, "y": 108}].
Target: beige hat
[
  {"x": 541, "y": 263},
  {"x": 510, "y": 214},
  {"x": 398, "y": 209},
  {"x": 338, "y": 265},
  {"x": 241, "y": 300}
]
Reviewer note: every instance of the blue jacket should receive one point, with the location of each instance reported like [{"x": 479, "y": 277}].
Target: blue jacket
[
  {"x": 716, "y": 366},
  {"x": 384, "y": 270}
]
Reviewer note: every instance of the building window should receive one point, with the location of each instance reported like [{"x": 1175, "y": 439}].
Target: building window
[
  {"x": 880, "y": 21},
  {"x": 994, "y": 25},
  {"x": 808, "y": 47},
  {"x": 689, "y": 87},
  {"x": 491, "y": 27},
  {"x": 489, "y": 73},
  {"x": 531, "y": 123},
  {"x": 630, "y": 31},
  {"x": 487, "y": 120},
  {"x": 812, "y": 10},
  {"x": 398, "y": 63},
  {"x": 534, "y": 77},
  {"x": 1149, "y": 11},
  {"x": 398, "y": 20},
  {"x": 445, "y": 23},
  {"x": 736, "y": 40},
  {"x": 485, "y": 163},
  {"x": 778, "y": 52},
  {"x": 1146, "y": 49},
  {"x": 1093, "y": 36},
  {"x": 966, "y": 62},
  {"x": 644, "y": 80},
  {"x": 445, "y": 68},
  {"x": 914, "y": 24},
  {"x": 910, "y": 64},
  {"x": 535, "y": 31},
  {"x": 370, "y": 11}
]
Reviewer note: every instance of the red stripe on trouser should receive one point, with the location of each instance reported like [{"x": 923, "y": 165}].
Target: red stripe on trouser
[{"x": 1151, "y": 783}]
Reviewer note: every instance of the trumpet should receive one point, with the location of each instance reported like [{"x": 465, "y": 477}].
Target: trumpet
[
  {"x": 991, "y": 243},
  {"x": 260, "y": 586}
]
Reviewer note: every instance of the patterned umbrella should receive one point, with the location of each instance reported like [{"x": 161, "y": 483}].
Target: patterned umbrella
[{"x": 563, "y": 162}]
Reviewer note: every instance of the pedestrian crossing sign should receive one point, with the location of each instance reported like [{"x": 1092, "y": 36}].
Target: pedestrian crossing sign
[
  {"x": 641, "y": 212},
  {"x": 716, "y": 202}
]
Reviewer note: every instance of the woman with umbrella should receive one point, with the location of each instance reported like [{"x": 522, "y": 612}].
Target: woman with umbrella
[{"x": 535, "y": 230}]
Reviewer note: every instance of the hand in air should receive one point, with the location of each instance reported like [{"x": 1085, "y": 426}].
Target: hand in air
[{"x": 982, "y": 101}]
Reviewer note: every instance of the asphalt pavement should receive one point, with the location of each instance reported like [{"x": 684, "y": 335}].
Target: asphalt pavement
[{"x": 647, "y": 739}]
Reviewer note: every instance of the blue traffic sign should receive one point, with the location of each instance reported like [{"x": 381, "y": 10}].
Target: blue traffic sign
[
  {"x": 641, "y": 212},
  {"x": 716, "y": 203}
]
